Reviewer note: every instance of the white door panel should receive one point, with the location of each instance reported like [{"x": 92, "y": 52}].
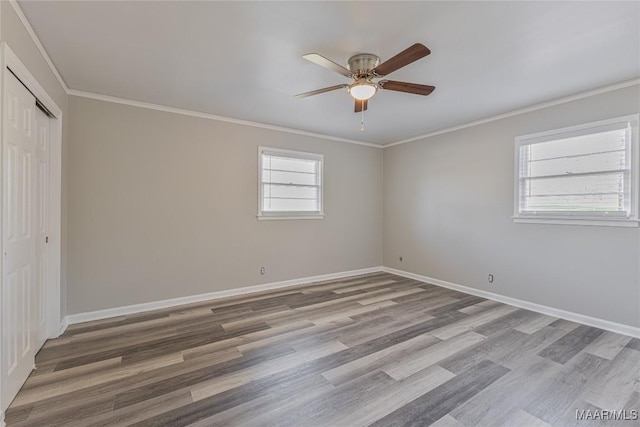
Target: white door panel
[{"x": 20, "y": 272}]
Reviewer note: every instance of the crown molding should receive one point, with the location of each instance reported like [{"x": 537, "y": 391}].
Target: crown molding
[
  {"x": 490, "y": 119},
  {"x": 534, "y": 107},
  {"x": 36, "y": 40},
  {"x": 151, "y": 106}
]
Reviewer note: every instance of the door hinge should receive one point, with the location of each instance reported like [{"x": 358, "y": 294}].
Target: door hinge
[{"x": 46, "y": 240}]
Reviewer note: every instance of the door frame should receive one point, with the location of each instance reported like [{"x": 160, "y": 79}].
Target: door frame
[{"x": 54, "y": 325}]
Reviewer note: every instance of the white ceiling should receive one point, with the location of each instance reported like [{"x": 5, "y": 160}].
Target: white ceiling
[{"x": 244, "y": 59}]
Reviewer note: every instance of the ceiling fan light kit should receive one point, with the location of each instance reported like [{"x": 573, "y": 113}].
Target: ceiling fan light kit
[
  {"x": 362, "y": 90},
  {"x": 364, "y": 68}
]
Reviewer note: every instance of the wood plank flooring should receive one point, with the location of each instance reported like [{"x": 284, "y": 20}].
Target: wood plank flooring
[{"x": 374, "y": 350}]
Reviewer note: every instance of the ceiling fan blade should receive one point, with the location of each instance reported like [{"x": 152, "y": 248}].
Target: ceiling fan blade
[
  {"x": 319, "y": 91},
  {"x": 361, "y": 105},
  {"x": 406, "y": 87},
  {"x": 405, "y": 57},
  {"x": 326, "y": 63}
]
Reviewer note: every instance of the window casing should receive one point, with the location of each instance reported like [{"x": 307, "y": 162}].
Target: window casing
[
  {"x": 290, "y": 184},
  {"x": 586, "y": 174}
]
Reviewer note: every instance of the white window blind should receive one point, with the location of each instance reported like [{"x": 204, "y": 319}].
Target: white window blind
[
  {"x": 290, "y": 183},
  {"x": 587, "y": 171}
]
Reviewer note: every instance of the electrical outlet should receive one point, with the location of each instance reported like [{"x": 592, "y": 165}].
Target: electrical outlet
[
  {"x": 490, "y": 278},
  {"x": 262, "y": 271}
]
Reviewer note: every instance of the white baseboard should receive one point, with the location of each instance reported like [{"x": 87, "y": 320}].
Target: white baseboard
[
  {"x": 550, "y": 311},
  {"x": 63, "y": 326},
  {"x": 155, "y": 305}
]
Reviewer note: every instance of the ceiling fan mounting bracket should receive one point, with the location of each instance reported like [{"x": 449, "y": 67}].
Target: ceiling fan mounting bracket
[{"x": 362, "y": 64}]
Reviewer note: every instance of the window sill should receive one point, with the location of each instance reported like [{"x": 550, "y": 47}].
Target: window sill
[
  {"x": 604, "y": 222},
  {"x": 284, "y": 217}
]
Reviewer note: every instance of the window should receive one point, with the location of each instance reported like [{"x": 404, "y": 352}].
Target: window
[
  {"x": 585, "y": 174},
  {"x": 290, "y": 184}
]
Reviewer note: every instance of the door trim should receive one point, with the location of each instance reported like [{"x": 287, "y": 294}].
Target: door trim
[{"x": 8, "y": 59}]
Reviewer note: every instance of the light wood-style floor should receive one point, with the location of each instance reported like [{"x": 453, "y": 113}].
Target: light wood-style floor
[{"x": 370, "y": 350}]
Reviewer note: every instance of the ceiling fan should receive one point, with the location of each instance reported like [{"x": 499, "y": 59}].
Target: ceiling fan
[{"x": 364, "y": 68}]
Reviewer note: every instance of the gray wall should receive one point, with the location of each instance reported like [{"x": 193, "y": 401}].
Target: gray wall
[
  {"x": 448, "y": 202},
  {"x": 13, "y": 32},
  {"x": 163, "y": 205}
]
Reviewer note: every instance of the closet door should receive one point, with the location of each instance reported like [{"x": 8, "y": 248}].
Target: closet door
[{"x": 20, "y": 270}]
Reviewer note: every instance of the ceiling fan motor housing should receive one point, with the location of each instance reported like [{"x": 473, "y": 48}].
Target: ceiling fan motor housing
[{"x": 362, "y": 64}]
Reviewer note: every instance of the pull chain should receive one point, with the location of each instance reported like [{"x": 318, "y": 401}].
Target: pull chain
[{"x": 362, "y": 122}]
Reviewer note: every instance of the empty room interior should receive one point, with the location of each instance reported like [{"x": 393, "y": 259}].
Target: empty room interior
[{"x": 320, "y": 213}]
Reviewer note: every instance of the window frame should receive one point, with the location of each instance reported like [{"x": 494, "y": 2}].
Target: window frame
[
  {"x": 281, "y": 215},
  {"x": 581, "y": 218}
]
